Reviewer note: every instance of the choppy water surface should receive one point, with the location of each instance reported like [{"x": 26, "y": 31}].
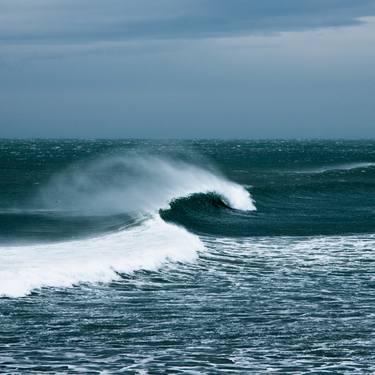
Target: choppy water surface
[{"x": 187, "y": 257}]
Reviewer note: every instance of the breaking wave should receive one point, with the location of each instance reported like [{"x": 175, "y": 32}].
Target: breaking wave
[{"x": 136, "y": 185}]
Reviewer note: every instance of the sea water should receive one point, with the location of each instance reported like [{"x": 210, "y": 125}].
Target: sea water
[{"x": 194, "y": 257}]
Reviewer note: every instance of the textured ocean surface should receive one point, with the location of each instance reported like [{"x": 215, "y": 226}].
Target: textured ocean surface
[{"x": 191, "y": 257}]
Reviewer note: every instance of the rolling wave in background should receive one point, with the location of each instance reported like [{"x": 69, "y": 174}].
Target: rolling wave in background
[{"x": 340, "y": 167}]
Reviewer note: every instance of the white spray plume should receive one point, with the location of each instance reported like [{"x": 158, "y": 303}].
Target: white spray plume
[{"x": 138, "y": 184}]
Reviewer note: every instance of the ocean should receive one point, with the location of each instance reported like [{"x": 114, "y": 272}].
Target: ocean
[{"x": 187, "y": 257}]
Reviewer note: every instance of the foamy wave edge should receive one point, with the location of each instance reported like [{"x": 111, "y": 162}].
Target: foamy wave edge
[{"x": 95, "y": 260}]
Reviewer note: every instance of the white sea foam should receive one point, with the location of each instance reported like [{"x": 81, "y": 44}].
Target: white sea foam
[
  {"x": 147, "y": 246},
  {"x": 137, "y": 184},
  {"x": 284, "y": 253}
]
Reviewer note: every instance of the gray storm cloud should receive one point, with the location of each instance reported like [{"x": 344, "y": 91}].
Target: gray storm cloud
[{"x": 187, "y": 68}]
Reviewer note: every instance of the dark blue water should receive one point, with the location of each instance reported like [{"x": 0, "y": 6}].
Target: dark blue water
[{"x": 153, "y": 257}]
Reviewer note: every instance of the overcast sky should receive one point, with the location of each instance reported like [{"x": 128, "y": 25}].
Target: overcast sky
[{"x": 187, "y": 68}]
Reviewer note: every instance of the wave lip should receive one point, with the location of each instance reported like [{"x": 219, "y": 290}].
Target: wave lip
[{"x": 26, "y": 268}]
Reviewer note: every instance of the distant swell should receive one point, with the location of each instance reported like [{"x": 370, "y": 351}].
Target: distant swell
[{"x": 341, "y": 167}]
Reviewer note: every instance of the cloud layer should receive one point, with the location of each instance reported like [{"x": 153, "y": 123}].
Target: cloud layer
[
  {"x": 187, "y": 68},
  {"x": 70, "y": 21}
]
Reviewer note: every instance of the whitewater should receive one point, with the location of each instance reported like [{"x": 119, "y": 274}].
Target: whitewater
[{"x": 100, "y": 259}]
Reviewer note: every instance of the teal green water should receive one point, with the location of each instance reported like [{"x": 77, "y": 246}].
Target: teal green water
[{"x": 154, "y": 257}]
